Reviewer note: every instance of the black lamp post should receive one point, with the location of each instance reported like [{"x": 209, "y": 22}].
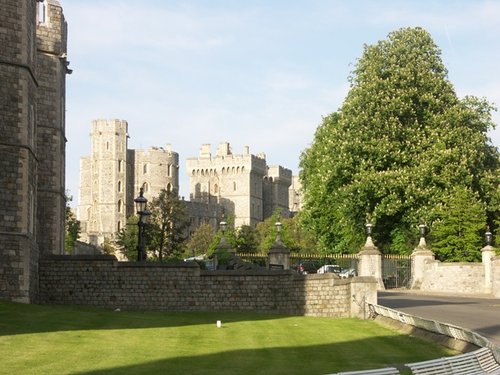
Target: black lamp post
[
  {"x": 223, "y": 226},
  {"x": 423, "y": 230},
  {"x": 369, "y": 228},
  {"x": 488, "y": 236},
  {"x": 143, "y": 212}
]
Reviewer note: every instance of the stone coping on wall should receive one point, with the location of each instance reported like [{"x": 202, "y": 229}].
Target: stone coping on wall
[{"x": 455, "y": 264}]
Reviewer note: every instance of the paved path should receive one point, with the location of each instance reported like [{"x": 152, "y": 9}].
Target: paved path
[{"x": 478, "y": 314}]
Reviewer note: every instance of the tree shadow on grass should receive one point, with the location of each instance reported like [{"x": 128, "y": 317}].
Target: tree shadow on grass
[
  {"x": 17, "y": 318},
  {"x": 316, "y": 359},
  {"x": 304, "y": 355}
]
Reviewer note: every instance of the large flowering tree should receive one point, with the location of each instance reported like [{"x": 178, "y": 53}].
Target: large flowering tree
[{"x": 397, "y": 149}]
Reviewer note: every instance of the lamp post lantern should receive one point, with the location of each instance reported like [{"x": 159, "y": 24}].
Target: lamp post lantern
[
  {"x": 141, "y": 207},
  {"x": 223, "y": 226},
  {"x": 278, "y": 231},
  {"x": 488, "y": 236}
]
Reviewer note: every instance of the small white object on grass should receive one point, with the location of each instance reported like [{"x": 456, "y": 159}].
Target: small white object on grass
[{"x": 219, "y": 324}]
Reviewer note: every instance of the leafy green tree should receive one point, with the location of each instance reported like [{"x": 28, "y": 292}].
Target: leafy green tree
[
  {"x": 72, "y": 228},
  {"x": 108, "y": 246},
  {"x": 399, "y": 143},
  {"x": 126, "y": 239},
  {"x": 459, "y": 226},
  {"x": 267, "y": 232},
  {"x": 200, "y": 240},
  {"x": 298, "y": 238},
  {"x": 169, "y": 222},
  {"x": 246, "y": 239}
]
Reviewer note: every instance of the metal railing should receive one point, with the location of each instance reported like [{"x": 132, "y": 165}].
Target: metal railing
[{"x": 446, "y": 329}]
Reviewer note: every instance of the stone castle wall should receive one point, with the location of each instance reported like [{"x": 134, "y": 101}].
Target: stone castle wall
[
  {"x": 51, "y": 140},
  {"x": 32, "y": 142},
  {"x": 102, "y": 281}
]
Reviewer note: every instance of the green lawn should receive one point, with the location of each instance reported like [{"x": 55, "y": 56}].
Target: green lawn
[{"x": 82, "y": 340}]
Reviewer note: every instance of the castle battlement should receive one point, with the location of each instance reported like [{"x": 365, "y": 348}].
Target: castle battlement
[
  {"x": 236, "y": 181},
  {"x": 225, "y": 161},
  {"x": 277, "y": 173}
]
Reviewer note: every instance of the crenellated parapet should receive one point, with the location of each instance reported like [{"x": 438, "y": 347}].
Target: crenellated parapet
[{"x": 237, "y": 182}]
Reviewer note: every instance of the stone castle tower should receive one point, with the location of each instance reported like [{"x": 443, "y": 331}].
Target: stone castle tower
[
  {"x": 110, "y": 179},
  {"x": 243, "y": 184},
  {"x": 33, "y": 70}
]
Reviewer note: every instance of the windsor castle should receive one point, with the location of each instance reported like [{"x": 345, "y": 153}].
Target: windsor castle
[
  {"x": 33, "y": 70},
  {"x": 220, "y": 185}
]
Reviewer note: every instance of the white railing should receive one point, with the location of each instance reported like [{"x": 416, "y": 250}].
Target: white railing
[{"x": 449, "y": 330}]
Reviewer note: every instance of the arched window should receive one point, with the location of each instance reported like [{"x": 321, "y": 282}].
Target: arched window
[
  {"x": 145, "y": 169},
  {"x": 169, "y": 170},
  {"x": 119, "y": 165},
  {"x": 42, "y": 12},
  {"x": 119, "y": 208},
  {"x": 169, "y": 187},
  {"x": 119, "y": 186},
  {"x": 118, "y": 226}
]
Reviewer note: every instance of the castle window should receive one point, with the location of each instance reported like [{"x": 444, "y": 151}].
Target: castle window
[
  {"x": 223, "y": 170},
  {"x": 42, "y": 12},
  {"x": 119, "y": 206},
  {"x": 234, "y": 186},
  {"x": 216, "y": 189},
  {"x": 144, "y": 169},
  {"x": 194, "y": 172},
  {"x": 242, "y": 169},
  {"x": 169, "y": 170},
  {"x": 31, "y": 216},
  {"x": 107, "y": 145},
  {"x": 119, "y": 186},
  {"x": 120, "y": 165},
  {"x": 31, "y": 135},
  {"x": 119, "y": 226},
  {"x": 169, "y": 187},
  {"x": 145, "y": 186}
]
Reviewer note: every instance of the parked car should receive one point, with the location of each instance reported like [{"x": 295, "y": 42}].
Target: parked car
[
  {"x": 305, "y": 268},
  {"x": 194, "y": 259},
  {"x": 330, "y": 268},
  {"x": 347, "y": 272}
]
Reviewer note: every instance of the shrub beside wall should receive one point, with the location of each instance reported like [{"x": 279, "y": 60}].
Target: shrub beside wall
[{"x": 103, "y": 281}]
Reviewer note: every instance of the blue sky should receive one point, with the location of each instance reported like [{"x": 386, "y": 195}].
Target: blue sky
[{"x": 256, "y": 73}]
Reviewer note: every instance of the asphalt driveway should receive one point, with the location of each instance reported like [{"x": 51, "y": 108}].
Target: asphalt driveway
[{"x": 475, "y": 313}]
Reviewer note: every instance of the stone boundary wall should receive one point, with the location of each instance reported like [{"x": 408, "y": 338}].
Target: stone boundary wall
[
  {"x": 105, "y": 282},
  {"x": 467, "y": 278}
]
